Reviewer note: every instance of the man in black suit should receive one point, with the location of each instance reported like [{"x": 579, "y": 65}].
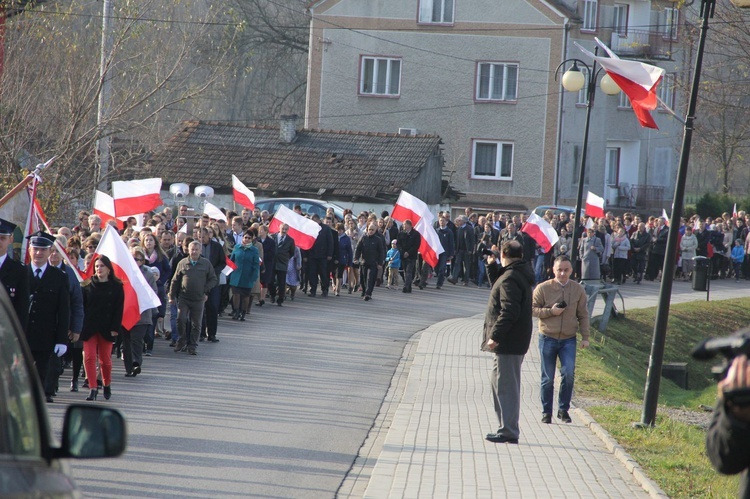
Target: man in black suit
[
  {"x": 284, "y": 251},
  {"x": 465, "y": 245},
  {"x": 13, "y": 274},
  {"x": 49, "y": 311},
  {"x": 214, "y": 253}
]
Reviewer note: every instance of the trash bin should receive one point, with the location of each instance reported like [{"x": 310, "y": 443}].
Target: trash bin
[{"x": 700, "y": 273}]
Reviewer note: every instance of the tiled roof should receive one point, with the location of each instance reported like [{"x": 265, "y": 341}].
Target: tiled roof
[{"x": 362, "y": 164}]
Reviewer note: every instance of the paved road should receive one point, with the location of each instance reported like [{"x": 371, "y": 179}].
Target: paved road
[{"x": 278, "y": 408}]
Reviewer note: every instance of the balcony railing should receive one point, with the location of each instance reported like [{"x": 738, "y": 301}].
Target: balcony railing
[{"x": 642, "y": 44}]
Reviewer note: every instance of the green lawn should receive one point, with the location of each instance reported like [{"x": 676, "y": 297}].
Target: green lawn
[{"x": 614, "y": 369}]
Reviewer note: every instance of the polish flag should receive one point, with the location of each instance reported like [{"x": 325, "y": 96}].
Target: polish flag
[
  {"x": 540, "y": 231},
  {"x": 303, "y": 230},
  {"x": 243, "y": 195},
  {"x": 411, "y": 208},
  {"x": 665, "y": 217},
  {"x": 138, "y": 294},
  {"x": 213, "y": 212},
  {"x": 231, "y": 266},
  {"x": 104, "y": 206},
  {"x": 430, "y": 247},
  {"x": 734, "y": 210},
  {"x": 637, "y": 79},
  {"x": 594, "y": 205},
  {"x": 133, "y": 197},
  {"x": 183, "y": 229}
]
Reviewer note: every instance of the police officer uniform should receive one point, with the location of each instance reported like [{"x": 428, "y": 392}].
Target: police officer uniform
[{"x": 14, "y": 278}]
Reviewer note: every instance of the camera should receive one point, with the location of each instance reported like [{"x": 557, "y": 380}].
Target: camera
[
  {"x": 561, "y": 304},
  {"x": 730, "y": 347}
]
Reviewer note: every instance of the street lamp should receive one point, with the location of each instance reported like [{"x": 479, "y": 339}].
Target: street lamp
[{"x": 573, "y": 80}]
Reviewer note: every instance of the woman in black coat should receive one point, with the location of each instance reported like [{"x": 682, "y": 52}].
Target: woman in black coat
[{"x": 103, "y": 300}]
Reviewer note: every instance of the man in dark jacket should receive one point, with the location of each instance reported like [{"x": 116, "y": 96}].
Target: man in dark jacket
[
  {"x": 658, "y": 249},
  {"x": 214, "y": 253},
  {"x": 13, "y": 274},
  {"x": 317, "y": 258},
  {"x": 370, "y": 254},
  {"x": 284, "y": 251},
  {"x": 507, "y": 334},
  {"x": 639, "y": 244},
  {"x": 465, "y": 245},
  {"x": 447, "y": 240},
  {"x": 408, "y": 245}
]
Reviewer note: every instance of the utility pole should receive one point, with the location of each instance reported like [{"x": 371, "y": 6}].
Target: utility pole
[{"x": 105, "y": 95}]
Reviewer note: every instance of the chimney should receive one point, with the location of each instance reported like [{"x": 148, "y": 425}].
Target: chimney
[{"x": 287, "y": 128}]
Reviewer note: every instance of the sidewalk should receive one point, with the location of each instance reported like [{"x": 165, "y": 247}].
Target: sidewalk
[{"x": 435, "y": 446}]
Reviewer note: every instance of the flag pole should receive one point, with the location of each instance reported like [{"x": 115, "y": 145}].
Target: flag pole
[{"x": 653, "y": 375}]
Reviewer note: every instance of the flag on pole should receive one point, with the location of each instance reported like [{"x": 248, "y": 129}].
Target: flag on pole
[
  {"x": 594, "y": 205},
  {"x": 303, "y": 230},
  {"x": 242, "y": 195},
  {"x": 637, "y": 79},
  {"x": 665, "y": 217},
  {"x": 133, "y": 197},
  {"x": 139, "y": 296},
  {"x": 540, "y": 231},
  {"x": 589, "y": 223},
  {"x": 430, "y": 247},
  {"x": 230, "y": 267},
  {"x": 214, "y": 212},
  {"x": 411, "y": 208}
]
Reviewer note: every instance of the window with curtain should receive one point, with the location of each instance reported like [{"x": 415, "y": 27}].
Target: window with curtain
[
  {"x": 492, "y": 160},
  {"x": 497, "y": 81},
  {"x": 380, "y": 76}
]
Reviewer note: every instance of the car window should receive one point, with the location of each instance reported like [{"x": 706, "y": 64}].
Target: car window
[
  {"x": 19, "y": 421},
  {"x": 314, "y": 209}
]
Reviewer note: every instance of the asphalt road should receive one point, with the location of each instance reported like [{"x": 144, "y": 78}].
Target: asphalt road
[{"x": 278, "y": 408}]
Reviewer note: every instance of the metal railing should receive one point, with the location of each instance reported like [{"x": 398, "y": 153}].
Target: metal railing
[{"x": 645, "y": 44}]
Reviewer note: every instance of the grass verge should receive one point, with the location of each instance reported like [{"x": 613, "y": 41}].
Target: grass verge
[{"x": 613, "y": 371}]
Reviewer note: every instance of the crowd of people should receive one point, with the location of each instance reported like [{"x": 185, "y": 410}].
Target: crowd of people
[{"x": 183, "y": 257}]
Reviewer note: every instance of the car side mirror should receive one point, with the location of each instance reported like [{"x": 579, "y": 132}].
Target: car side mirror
[{"x": 93, "y": 432}]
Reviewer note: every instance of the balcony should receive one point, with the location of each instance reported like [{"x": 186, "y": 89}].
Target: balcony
[{"x": 642, "y": 45}]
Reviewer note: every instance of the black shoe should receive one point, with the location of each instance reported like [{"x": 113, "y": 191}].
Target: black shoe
[
  {"x": 107, "y": 392},
  {"x": 564, "y": 416},
  {"x": 180, "y": 345},
  {"x": 368, "y": 297},
  {"x": 50, "y": 399},
  {"x": 85, "y": 383},
  {"x": 452, "y": 281},
  {"x": 202, "y": 339},
  {"x": 547, "y": 418},
  {"x": 74, "y": 385},
  {"x": 438, "y": 287},
  {"x": 261, "y": 303},
  {"x": 235, "y": 316},
  {"x": 92, "y": 395},
  {"x": 242, "y": 317},
  {"x": 311, "y": 294},
  {"x": 213, "y": 339},
  {"x": 500, "y": 439},
  {"x": 136, "y": 369},
  {"x": 129, "y": 375},
  {"x": 173, "y": 343},
  {"x": 148, "y": 353},
  {"x": 280, "y": 302},
  {"x": 192, "y": 351}
]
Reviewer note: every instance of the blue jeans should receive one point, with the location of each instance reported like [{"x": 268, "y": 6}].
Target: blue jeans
[
  {"x": 441, "y": 266},
  {"x": 481, "y": 272},
  {"x": 550, "y": 350},
  {"x": 539, "y": 269}
]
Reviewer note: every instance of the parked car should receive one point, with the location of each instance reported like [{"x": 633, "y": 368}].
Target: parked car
[
  {"x": 31, "y": 464},
  {"x": 541, "y": 210},
  {"x": 309, "y": 206}
]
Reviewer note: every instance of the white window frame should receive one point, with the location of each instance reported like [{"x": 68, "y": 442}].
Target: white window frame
[
  {"x": 613, "y": 157},
  {"x": 497, "y": 70},
  {"x": 667, "y": 91},
  {"x": 427, "y": 8},
  {"x": 671, "y": 22},
  {"x": 590, "y": 15},
  {"x": 620, "y": 22},
  {"x": 499, "y": 167},
  {"x": 390, "y": 62},
  {"x": 623, "y": 101},
  {"x": 583, "y": 93}
]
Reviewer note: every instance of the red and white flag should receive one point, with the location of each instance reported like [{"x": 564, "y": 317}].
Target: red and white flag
[
  {"x": 242, "y": 195},
  {"x": 139, "y": 296},
  {"x": 214, "y": 212},
  {"x": 594, "y": 205},
  {"x": 104, "y": 206},
  {"x": 411, "y": 208},
  {"x": 430, "y": 247},
  {"x": 637, "y": 79},
  {"x": 540, "y": 231},
  {"x": 665, "y": 217},
  {"x": 230, "y": 267},
  {"x": 303, "y": 230},
  {"x": 734, "y": 210},
  {"x": 133, "y": 197}
]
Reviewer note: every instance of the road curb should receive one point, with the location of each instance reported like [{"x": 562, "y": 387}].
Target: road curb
[{"x": 621, "y": 454}]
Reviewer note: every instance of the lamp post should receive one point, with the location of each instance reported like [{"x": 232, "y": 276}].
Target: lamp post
[{"x": 573, "y": 80}]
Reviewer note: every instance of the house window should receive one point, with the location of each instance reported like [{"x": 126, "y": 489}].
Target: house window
[
  {"x": 497, "y": 81},
  {"x": 380, "y": 76},
  {"x": 577, "y": 152},
  {"x": 583, "y": 93},
  {"x": 624, "y": 101},
  {"x": 671, "y": 20},
  {"x": 436, "y": 11},
  {"x": 620, "y": 24},
  {"x": 589, "y": 15},
  {"x": 613, "y": 166},
  {"x": 667, "y": 90},
  {"x": 492, "y": 160}
]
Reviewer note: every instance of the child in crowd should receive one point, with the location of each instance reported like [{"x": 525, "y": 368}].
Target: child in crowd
[
  {"x": 738, "y": 256},
  {"x": 393, "y": 259}
]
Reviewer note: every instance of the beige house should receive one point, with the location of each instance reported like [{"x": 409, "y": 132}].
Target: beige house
[
  {"x": 477, "y": 73},
  {"x": 480, "y": 74}
]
